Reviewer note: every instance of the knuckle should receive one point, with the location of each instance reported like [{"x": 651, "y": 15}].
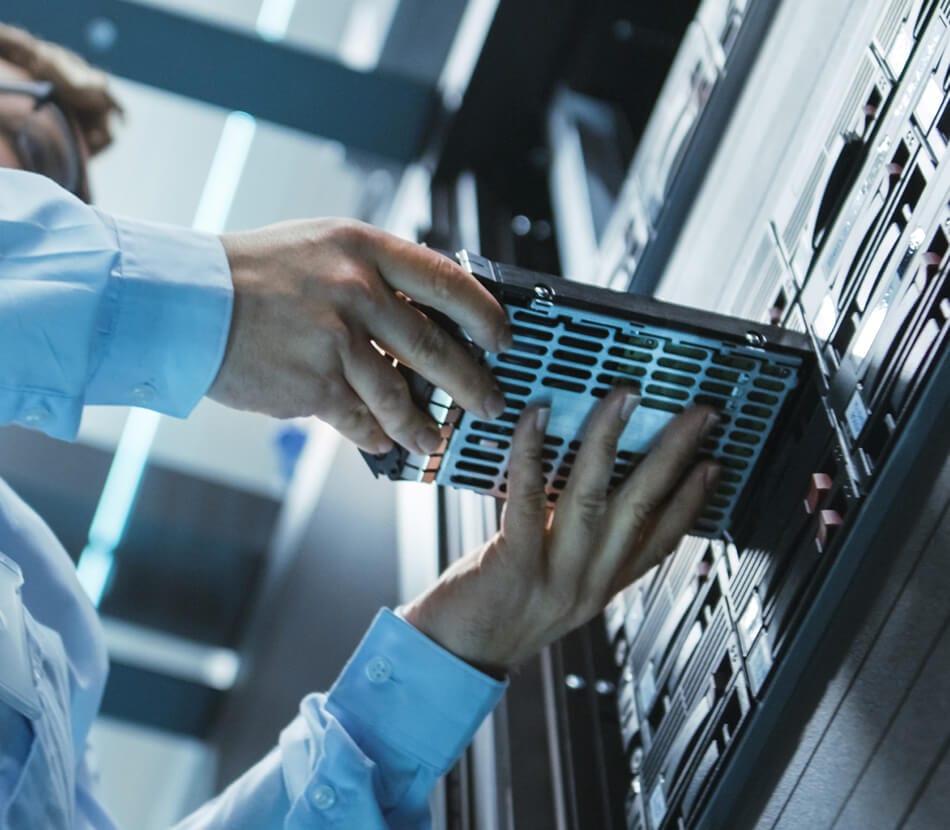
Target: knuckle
[
  {"x": 442, "y": 278},
  {"x": 641, "y": 511},
  {"x": 354, "y": 417},
  {"x": 429, "y": 343},
  {"x": 564, "y": 601},
  {"x": 350, "y": 232},
  {"x": 591, "y": 506},
  {"x": 341, "y": 336},
  {"x": 392, "y": 396},
  {"x": 357, "y": 288},
  {"x": 532, "y": 493}
]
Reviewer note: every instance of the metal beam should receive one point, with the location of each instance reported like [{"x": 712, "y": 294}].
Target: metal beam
[{"x": 376, "y": 112}]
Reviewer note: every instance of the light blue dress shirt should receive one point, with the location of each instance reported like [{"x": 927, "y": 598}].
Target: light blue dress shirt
[{"x": 95, "y": 309}]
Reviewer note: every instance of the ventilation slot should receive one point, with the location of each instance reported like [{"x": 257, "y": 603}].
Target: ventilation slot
[
  {"x": 667, "y": 392},
  {"x": 494, "y": 429},
  {"x": 624, "y": 368},
  {"x": 669, "y": 377},
  {"x": 522, "y": 346},
  {"x": 575, "y": 357},
  {"x": 535, "y": 319},
  {"x": 514, "y": 374},
  {"x": 491, "y": 443},
  {"x": 665, "y": 406},
  {"x": 480, "y": 469},
  {"x": 595, "y": 332},
  {"x": 482, "y": 455},
  {"x": 743, "y": 364},
  {"x": 518, "y": 360},
  {"x": 535, "y": 334},
  {"x": 569, "y": 371},
  {"x": 686, "y": 351},
  {"x": 576, "y": 343},
  {"x": 471, "y": 481},
  {"x": 679, "y": 365},
  {"x": 560, "y": 383},
  {"x": 631, "y": 354},
  {"x": 515, "y": 389}
]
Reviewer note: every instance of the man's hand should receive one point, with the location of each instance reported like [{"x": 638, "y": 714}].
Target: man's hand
[
  {"x": 543, "y": 575},
  {"x": 310, "y": 301}
]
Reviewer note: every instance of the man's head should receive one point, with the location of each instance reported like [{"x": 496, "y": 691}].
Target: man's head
[{"x": 55, "y": 112}]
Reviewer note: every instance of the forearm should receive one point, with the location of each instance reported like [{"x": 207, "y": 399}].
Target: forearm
[{"x": 367, "y": 753}]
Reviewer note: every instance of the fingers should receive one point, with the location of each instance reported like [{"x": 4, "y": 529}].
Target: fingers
[
  {"x": 525, "y": 510},
  {"x": 640, "y": 506},
  {"x": 343, "y": 410},
  {"x": 583, "y": 502},
  {"x": 667, "y": 528},
  {"x": 386, "y": 394},
  {"x": 425, "y": 346},
  {"x": 435, "y": 280},
  {"x": 656, "y": 476}
]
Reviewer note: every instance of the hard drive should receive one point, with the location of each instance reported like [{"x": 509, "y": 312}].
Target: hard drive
[{"x": 573, "y": 342}]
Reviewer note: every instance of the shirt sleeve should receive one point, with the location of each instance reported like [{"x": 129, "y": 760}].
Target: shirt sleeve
[
  {"x": 96, "y": 309},
  {"x": 368, "y": 753}
]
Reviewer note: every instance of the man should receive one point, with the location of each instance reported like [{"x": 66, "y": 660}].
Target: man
[{"x": 95, "y": 309}]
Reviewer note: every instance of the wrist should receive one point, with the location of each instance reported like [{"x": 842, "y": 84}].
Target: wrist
[{"x": 415, "y": 614}]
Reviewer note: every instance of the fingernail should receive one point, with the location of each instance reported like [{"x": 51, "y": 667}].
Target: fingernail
[
  {"x": 542, "y": 417},
  {"x": 495, "y": 404},
  {"x": 711, "y": 479},
  {"x": 428, "y": 440},
  {"x": 629, "y": 404},
  {"x": 711, "y": 421}
]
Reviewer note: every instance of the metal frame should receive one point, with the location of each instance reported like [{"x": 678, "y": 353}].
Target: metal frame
[{"x": 862, "y": 562}]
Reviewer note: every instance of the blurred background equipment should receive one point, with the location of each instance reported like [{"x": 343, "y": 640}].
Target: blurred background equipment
[{"x": 781, "y": 161}]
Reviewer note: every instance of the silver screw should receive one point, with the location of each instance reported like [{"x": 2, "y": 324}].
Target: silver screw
[
  {"x": 754, "y": 338},
  {"x": 542, "y": 292}
]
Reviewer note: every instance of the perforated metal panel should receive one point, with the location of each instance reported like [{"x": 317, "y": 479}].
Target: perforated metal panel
[{"x": 573, "y": 343}]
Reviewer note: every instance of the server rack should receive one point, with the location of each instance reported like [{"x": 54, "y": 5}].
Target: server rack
[{"x": 695, "y": 700}]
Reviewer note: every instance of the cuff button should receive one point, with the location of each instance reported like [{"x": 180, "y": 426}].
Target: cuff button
[
  {"x": 142, "y": 394},
  {"x": 35, "y": 416},
  {"x": 323, "y": 797},
  {"x": 379, "y": 670}
]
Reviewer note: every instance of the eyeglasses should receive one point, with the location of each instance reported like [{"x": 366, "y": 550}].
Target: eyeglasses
[{"x": 43, "y": 136}]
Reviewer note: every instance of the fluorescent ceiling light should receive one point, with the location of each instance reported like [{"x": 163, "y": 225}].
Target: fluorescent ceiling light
[
  {"x": 115, "y": 503},
  {"x": 274, "y": 18},
  {"x": 168, "y": 654},
  {"x": 467, "y": 46},
  {"x": 365, "y": 34},
  {"x": 225, "y": 174}
]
